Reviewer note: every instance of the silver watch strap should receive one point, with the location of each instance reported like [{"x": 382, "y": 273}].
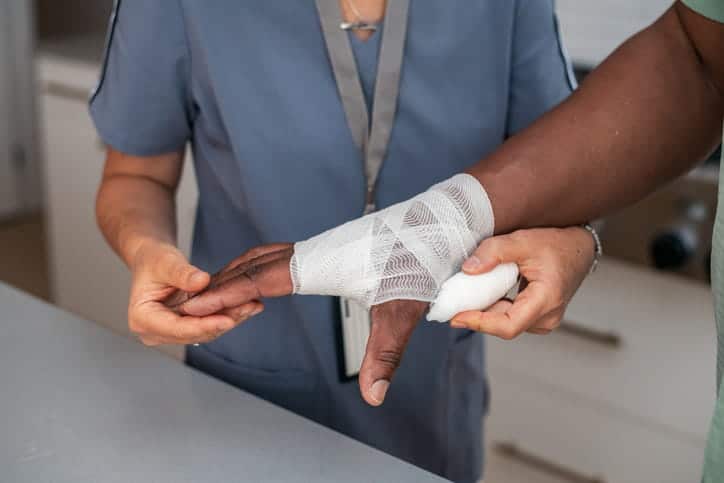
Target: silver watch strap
[{"x": 598, "y": 246}]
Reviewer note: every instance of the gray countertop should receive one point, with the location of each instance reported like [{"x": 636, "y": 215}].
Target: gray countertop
[{"x": 79, "y": 403}]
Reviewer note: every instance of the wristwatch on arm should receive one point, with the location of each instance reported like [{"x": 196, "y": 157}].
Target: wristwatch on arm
[{"x": 598, "y": 246}]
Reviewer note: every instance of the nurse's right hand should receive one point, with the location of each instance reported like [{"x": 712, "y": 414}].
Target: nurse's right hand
[{"x": 159, "y": 272}]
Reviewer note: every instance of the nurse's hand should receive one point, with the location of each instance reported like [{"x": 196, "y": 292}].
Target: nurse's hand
[
  {"x": 264, "y": 272},
  {"x": 159, "y": 270},
  {"x": 553, "y": 262}
]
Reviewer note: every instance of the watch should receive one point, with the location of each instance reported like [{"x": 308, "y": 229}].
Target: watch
[{"x": 598, "y": 246}]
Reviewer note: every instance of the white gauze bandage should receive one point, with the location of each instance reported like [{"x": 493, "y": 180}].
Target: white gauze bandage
[{"x": 406, "y": 251}]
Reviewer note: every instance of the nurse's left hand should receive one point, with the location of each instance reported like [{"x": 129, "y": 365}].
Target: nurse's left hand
[
  {"x": 553, "y": 263},
  {"x": 264, "y": 272}
]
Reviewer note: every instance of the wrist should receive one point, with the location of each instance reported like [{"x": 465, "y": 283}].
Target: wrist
[{"x": 137, "y": 247}]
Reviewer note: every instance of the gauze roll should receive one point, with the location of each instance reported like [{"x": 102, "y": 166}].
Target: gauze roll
[
  {"x": 463, "y": 292},
  {"x": 405, "y": 251}
]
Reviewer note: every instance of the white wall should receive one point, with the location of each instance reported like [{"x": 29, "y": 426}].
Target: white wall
[{"x": 592, "y": 29}]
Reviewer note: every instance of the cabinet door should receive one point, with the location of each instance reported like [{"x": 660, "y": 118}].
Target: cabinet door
[
  {"x": 582, "y": 440},
  {"x": 86, "y": 276},
  {"x": 9, "y": 201},
  {"x": 19, "y": 178}
]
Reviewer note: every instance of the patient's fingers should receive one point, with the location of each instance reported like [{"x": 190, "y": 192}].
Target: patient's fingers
[
  {"x": 255, "y": 256},
  {"x": 237, "y": 267},
  {"x": 250, "y": 281}
]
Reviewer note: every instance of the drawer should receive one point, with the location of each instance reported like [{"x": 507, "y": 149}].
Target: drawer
[
  {"x": 638, "y": 341},
  {"x": 579, "y": 441}
]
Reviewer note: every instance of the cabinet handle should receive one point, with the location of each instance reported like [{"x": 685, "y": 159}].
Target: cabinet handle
[
  {"x": 601, "y": 337},
  {"x": 68, "y": 92},
  {"x": 512, "y": 451}
]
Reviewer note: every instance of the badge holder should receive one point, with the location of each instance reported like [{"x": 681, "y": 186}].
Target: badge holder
[{"x": 354, "y": 332}]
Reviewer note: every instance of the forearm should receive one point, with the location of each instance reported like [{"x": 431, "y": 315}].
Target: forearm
[
  {"x": 645, "y": 116},
  {"x": 134, "y": 207},
  {"x": 131, "y": 210}
]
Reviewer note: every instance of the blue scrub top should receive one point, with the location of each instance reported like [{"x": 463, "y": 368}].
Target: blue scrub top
[{"x": 250, "y": 85}]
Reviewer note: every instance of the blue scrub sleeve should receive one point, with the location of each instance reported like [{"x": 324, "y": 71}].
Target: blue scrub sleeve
[
  {"x": 142, "y": 103},
  {"x": 541, "y": 75}
]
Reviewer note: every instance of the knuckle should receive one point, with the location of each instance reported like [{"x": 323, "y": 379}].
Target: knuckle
[
  {"x": 557, "y": 300},
  {"x": 256, "y": 252},
  {"x": 554, "y": 323},
  {"x": 490, "y": 245},
  {"x": 167, "y": 259},
  {"x": 180, "y": 271},
  {"x": 148, "y": 342},
  {"x": 190, "y": 333},
  {"x": 135, "y": 327},
  {"x": 507, "y": 333},
  {"x": 517, "y": 236},
  {"x": 389, "y": 358},
  {"x": 510, "y": 332}
]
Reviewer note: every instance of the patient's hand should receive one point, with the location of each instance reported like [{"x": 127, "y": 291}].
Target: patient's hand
[
  {"x": 264, "y": 272},
  {"x": 260, "y": 272}
]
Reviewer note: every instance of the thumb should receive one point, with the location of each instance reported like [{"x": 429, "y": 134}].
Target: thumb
[
  {"x": 392, "y": 325},
  {"x": 173, "y": 269},
  {"x": 493, "y": 252}
]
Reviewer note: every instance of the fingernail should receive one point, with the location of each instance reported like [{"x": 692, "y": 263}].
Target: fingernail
[
  {"x": 378, "y": 390},
  {"x": 250, "y": 312},
  {"x": 225, "y": 325},
  {"x": 198, "y": 277},
  {"x": 458, "y": 324},
  {"x": 471, "y": 263},
  {"x": 256, "y": 311}
]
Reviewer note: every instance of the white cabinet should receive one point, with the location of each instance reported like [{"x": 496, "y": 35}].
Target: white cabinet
[
  {"x": 623, "y": 392},
  {"x": 19, "y": 186},
  {"x": 86, "y": 276}
]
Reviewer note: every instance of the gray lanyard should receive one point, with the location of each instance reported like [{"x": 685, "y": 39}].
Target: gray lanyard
[{"x": 372, "y": 139}]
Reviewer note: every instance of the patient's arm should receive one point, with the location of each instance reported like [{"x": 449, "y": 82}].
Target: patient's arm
[{"x": 646, "y": 115}]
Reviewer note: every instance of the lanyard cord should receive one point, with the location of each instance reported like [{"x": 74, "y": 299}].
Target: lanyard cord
[{"x": 371, "y": 138}]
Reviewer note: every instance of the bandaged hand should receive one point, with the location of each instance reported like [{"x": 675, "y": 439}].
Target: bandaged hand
[
  {"x": 393, "y": 261},
  {"x": 405, "y": 251},
  {"x": 264, "y": 272}
]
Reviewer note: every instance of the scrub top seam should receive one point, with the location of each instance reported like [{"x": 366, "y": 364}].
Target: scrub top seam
[
  {"x": 567, "y": 65},
  {"x": 107, "y": 52},
  {"x": 511, "y": 71},
  {"x": 189, "y": 63}
]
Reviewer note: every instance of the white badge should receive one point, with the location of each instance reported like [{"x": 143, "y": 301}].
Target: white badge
[{"x": 356, "y": 324}]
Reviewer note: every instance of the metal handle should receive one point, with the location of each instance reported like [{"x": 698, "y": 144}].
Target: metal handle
[
  {"x": 609, "y": 339},
  {"x": 511, "y": 450},
  {"x": 68, "y": 92}
]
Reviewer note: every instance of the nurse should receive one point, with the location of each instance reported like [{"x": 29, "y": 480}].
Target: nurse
[{"x": 302, "y": 116}]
